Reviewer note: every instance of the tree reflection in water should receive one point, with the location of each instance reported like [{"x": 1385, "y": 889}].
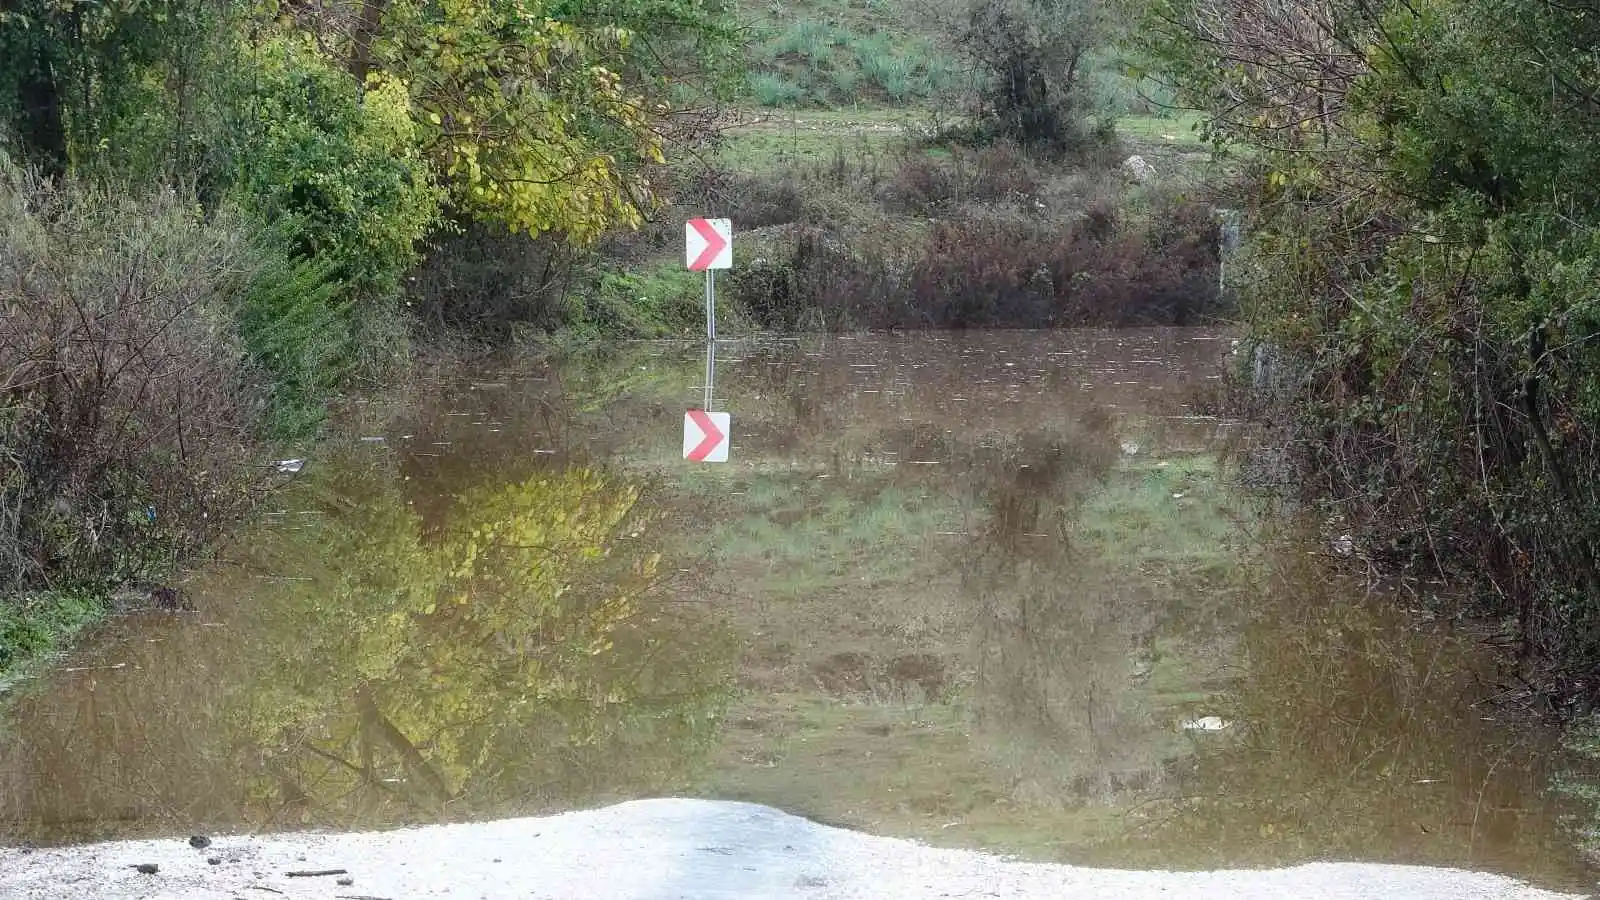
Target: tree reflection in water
[{"x": 516, "y": 658}]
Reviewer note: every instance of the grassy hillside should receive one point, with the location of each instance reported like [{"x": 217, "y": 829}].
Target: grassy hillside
[
  {"x": 843, "y": 53},
  {"x": 887, "y": 53}
]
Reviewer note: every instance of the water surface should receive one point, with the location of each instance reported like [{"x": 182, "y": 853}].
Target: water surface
[{"x": 990, "y": 590}]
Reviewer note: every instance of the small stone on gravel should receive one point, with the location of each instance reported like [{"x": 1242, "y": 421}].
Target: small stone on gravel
[
  {"x": 147, "y": 868},
  {"x": 199, "y": 842}
]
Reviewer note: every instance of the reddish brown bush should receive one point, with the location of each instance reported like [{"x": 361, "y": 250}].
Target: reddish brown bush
[
  {"x": 126, "y": 406},
  {"x": 996, "y": 272},
  {"x": 926, "y": 185}
]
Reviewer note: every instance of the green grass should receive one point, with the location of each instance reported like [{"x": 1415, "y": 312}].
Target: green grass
[
  {"x": 815, "y": 137},
  {"x": 33, "y": 626},
  {"x": 1181, "y": 129},
  {"x": 658, "y": 300}
]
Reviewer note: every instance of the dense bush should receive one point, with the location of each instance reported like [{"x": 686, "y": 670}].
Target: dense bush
[
  {"x": 334, "y": 171},
  {"x": 987, "y": 274},
  {"x": 231, "y": 196},
  {"x": 986, "y": 238},
  {"x": 1425, "y": 277},
  {"x": 295, "y": 320},
  {"x": 127, "y": 406},
  {"x": 998, "y": 174},
  {"x": 487, "y": 282}
]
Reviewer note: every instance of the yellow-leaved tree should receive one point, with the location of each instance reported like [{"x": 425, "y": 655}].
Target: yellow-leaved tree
[{"x": 519, "y": 106}]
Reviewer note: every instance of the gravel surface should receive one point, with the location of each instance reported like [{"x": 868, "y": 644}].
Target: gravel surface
[{"x": 662, "y": 849}]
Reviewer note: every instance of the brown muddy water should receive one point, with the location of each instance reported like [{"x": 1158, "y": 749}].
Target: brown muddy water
[{"x": 988, "y": 590}]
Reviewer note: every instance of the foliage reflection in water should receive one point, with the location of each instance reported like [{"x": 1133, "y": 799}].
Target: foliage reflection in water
[
  {"x": 359, "y": 668},
  {"x": 964, "y": 588}
]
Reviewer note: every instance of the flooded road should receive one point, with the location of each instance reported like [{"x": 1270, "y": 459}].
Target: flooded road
[{"x": 985, "y": 590}]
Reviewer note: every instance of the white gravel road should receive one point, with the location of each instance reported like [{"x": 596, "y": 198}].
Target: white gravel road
[{"x": 665, "y": 849}]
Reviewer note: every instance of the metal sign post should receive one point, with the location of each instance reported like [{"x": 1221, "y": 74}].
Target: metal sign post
[
  {"x": 711, "y": 305},
  {"x": 711, "y": 364}
]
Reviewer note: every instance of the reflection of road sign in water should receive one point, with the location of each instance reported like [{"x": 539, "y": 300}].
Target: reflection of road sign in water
[
  {"x": 705, "y": 436},
  {"x": 708, "y": 244}
]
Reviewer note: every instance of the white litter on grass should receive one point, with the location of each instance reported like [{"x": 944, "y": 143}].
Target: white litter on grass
[
  {"x": 1206, "y": 723},
  {"x": 290, "y": 466},
  {"x": 650, "y": 849},
  {"x": 1137, "y": 169}
]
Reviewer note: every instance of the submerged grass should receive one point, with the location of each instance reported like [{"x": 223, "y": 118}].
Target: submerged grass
[
  {"x": 1164, "y": 517},
  {"x": 797, "y": 537},
  {"x": 866, "y": 700}
]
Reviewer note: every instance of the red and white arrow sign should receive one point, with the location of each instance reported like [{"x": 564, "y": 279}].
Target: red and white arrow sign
[
  {"x": 708, "y": 244},
  {"x": 705, "y": 436}
]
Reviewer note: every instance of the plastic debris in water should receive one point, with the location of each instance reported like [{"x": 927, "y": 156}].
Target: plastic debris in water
[
  {"x": 291, "y": 466},
  {"x": 1206, "y": 723}
]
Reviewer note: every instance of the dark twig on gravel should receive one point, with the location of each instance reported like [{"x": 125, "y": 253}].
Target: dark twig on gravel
[
  {"x": 261, "y": 887},
  {"x": 316, "y": 873},
  {"x": 357, "y": 897}
]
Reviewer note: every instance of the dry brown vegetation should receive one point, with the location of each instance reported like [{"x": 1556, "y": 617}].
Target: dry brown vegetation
[
  {"x": 126, "y": 401},
  {"x": 959, "y": 237}
]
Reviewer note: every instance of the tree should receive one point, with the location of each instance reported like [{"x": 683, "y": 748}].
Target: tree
[
  {"x": 1030, "y": 56},
  {"x": 1270, "y": 72},
  {"x": 115, "y": 88},
  {"x": 538, "y": 116}
]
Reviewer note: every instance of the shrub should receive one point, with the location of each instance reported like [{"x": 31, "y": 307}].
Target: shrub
[
  {"x": 334, "y": 171},
  {"x": 127, "y": 406},
  {"x": 988, "y": 268},
  {"x": 924, "y": 184},
  {"x": 486, "y": 282},
  {"x": 1031, "y": 56},
  {"x": 845, "y": 82},
  {"x": 889, "y": 72},
  {"x": 810, "y": 40},
  {"x": 297, "y": 330},
  {"x": 775, "y": 90}
]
